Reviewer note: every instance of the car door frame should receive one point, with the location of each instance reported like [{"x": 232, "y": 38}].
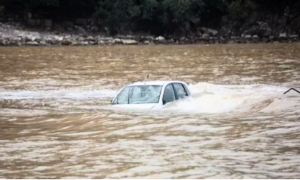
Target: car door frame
[
  {"x": 184, "y": 88},
  {"x": 175, "y": 93}
]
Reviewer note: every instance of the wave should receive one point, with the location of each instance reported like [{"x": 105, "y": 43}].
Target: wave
[
  {"x": 206, "y": 99},
  {"x": 211, "y": 98}
]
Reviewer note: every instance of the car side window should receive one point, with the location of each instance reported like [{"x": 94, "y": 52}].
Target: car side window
[
  {"x": 169, "y": 94},
  {"x": 180, "y": 91}
]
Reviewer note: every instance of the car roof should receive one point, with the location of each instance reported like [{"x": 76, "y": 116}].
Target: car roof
[{"x": 160, "y": 83}]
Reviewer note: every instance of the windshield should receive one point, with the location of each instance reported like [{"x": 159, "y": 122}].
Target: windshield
[{"x": 139, "y": 95}]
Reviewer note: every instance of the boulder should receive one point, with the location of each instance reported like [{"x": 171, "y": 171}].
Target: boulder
[
  {"x": 282, "y": 35},
  {"x": 117, "y": 41},
  {"x": 58, "y": 38},
  {"x": 29, "y": 38},
  {"x": 210, "y": 32},
  {"x": 264, "y": 29},
  {"x": 129, "y": 42},
  {"x": 100, "y": 42},
  {"x": 12, "y": 42},
  {"x": 43, "y": 43},
  {"x": 205, "y": 36},
  {"x": 160, "y": 38},
  {"x": 80, "y": 30},
  {"x": 83, "y": 43},
  {"x": 66, "y": 42},
  {"x": 111, "y": 41},
  {"x": 80, "y": 39},
  {"x": 94, "y": 29},
  {"x": 3, "y": 42},
  {"x": 32, "y": 43},
  {"x": 294, "y": 36},
  {"x": 92, "y": 42},
  {"x": 247, "y": 36},
  {"x": 90, "y": 38}
]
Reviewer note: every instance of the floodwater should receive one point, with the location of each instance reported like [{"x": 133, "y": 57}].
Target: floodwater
[{"x": 56, "y": 121}]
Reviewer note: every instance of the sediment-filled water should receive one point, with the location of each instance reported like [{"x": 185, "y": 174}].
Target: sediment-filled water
[{"x": 57, "y": 122}]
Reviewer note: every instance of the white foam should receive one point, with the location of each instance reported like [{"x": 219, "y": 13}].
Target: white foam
[
  {"x": 56, "y": 94},
  {"x": 206, "y": 99},
  {"x": 210, "y": 98}
]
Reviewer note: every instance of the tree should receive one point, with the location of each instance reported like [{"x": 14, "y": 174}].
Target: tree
[
  {"x": 20, "y": 7},
  {"x": 117, "y": 15}
]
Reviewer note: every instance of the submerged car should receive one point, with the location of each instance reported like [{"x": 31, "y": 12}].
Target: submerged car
[{"x": 151, "y": 94}]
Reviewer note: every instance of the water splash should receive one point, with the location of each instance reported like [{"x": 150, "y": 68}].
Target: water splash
[
  {"x": 211, "y": 98},
  {"x": 206, "y": 99}
]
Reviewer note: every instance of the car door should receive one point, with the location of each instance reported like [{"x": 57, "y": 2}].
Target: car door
[
  {"x": 180, "y": 91},
  {"x": 169, "y": 94}
]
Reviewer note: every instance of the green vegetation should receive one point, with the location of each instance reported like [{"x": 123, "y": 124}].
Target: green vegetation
[{"x": 154, "y": 16}]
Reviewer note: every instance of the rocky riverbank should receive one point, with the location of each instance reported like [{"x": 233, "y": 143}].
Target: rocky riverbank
[{"x": 12, "y": 36}]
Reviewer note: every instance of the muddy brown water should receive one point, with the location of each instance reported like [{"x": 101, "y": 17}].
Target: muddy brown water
[{"x": 56, "y": 121}]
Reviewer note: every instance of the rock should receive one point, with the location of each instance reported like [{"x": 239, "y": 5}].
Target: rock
[
  {"x": 80, "y": 30},
  {"x": 66, "y": 42},
  {"x": 32, "y": 43},
  {"x": 58, "y": 38},
  {"x": 294, "y": 36},
  {"x": 80, "y": 39},
  {"x": 210, "y": 32},
  {"x": 29, "y": 38},
  {"x": 94, "y": 29},
  {"x": 282, "y": 35},
  {"x": 100, "y": 42},
  {"x": 90, "y": 38},
  {"x": 160, "y": 38},
  {"x": 231, "y": 42},
  {"x": 92, "y": 43},
  {"x": 264, "y": 29},
  {"x": 84, "y": 43},
  {"x": 68, "y": 25},
  {"x": 171, "y": 41},
  {"x": 2, "y": 42},
  {"x": 117, "y": 41},
  {"x": 18, "y": 38},
  {"x": 248, "y": 36},
  {"x": 183, "y": 39},
  {"x": 226, "y": 31},
  {"x": 43, "y": 43},
  {"x": 129, "y": 42},
  {"x": 149, "y": 38},
  {"x": 205, "y": 36},
  {"x": 146, "y": 42},
  {"x": 199, "y": 33},
  {"x": 111, "y": 41}
]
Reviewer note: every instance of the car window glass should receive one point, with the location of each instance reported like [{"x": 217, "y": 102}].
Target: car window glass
[
  {"x": 144, "y": 94},
  {"x": 169, "y": 95},
  {"x": 180, "y": 91},
  {"x": 123, "y": 96}
]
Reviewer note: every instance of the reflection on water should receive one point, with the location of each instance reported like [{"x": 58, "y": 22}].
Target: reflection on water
[{"x": 56, "y": 120}]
